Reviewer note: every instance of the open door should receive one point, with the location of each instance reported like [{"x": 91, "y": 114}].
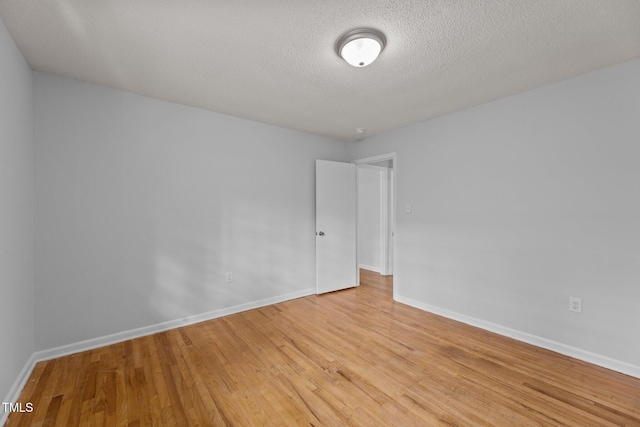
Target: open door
[{"x": 336, "y": 238}]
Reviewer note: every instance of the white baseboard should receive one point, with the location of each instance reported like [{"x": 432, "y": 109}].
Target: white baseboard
[
  {"x": 164, "y": 326},
  {"x": 576, "y": 353},
  {"x": 18, "y": 385},
  {"x": 370, "y": 268}
]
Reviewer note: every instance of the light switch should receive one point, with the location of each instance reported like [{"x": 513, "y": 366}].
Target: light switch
[{"x": 407, "y": 209}]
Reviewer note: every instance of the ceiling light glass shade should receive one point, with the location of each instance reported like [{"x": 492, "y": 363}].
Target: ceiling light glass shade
[{"x": 361, "y": 47}]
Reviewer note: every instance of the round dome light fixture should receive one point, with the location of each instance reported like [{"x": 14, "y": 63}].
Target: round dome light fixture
[{"x": 361, "y": 47}]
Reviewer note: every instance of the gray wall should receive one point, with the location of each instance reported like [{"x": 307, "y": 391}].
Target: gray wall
[
  {"x": 143, "y": 205},
  {"x": 520, "y": 203},
  {"x": 16, "y": 212}
]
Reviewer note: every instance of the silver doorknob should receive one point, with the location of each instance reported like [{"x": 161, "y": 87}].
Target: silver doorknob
[{"x": 321, "y": 233}]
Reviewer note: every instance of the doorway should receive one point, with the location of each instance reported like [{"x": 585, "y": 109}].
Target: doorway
[
  {"x": 337, "y": 248},
  {"x": 376, "y": 219}
]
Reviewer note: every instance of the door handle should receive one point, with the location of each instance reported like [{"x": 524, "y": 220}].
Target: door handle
[{"x": 320, "y": 233}]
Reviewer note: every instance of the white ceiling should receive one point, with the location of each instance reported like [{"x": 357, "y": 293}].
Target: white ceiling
[{"x": 274, "y": 61}]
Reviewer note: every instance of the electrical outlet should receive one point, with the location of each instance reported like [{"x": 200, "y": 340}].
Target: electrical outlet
[
  {"x": 229, "y": 277},
  {"x": 575, "y": 304}
]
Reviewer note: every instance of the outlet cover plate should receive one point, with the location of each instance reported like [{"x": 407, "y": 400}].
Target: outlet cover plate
[{"x": 575, "y": 304}]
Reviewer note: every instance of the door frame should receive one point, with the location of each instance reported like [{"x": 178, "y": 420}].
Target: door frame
[{"x": 390, "y": 250}]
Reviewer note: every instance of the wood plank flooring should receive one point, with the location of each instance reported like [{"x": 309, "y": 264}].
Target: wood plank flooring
[{"x": 350, "y": 358}]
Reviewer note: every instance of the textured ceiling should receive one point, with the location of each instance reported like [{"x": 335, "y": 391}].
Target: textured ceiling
[{"x": 274, "y": 61}]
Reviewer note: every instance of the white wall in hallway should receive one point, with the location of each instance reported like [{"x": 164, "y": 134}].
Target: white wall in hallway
[{"x": 369, "y": 218}]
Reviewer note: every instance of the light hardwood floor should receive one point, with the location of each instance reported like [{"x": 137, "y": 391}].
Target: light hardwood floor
[{"x": 350, "y": 358}]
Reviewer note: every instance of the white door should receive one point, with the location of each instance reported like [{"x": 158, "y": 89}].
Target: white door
[{"x": 336, "y": 259}]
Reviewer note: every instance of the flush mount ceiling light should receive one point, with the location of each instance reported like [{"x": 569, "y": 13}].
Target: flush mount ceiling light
[{"x": 361, "y": 47}]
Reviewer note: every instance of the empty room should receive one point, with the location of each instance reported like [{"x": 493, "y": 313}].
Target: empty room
[{"x": 252, "y": 213}]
